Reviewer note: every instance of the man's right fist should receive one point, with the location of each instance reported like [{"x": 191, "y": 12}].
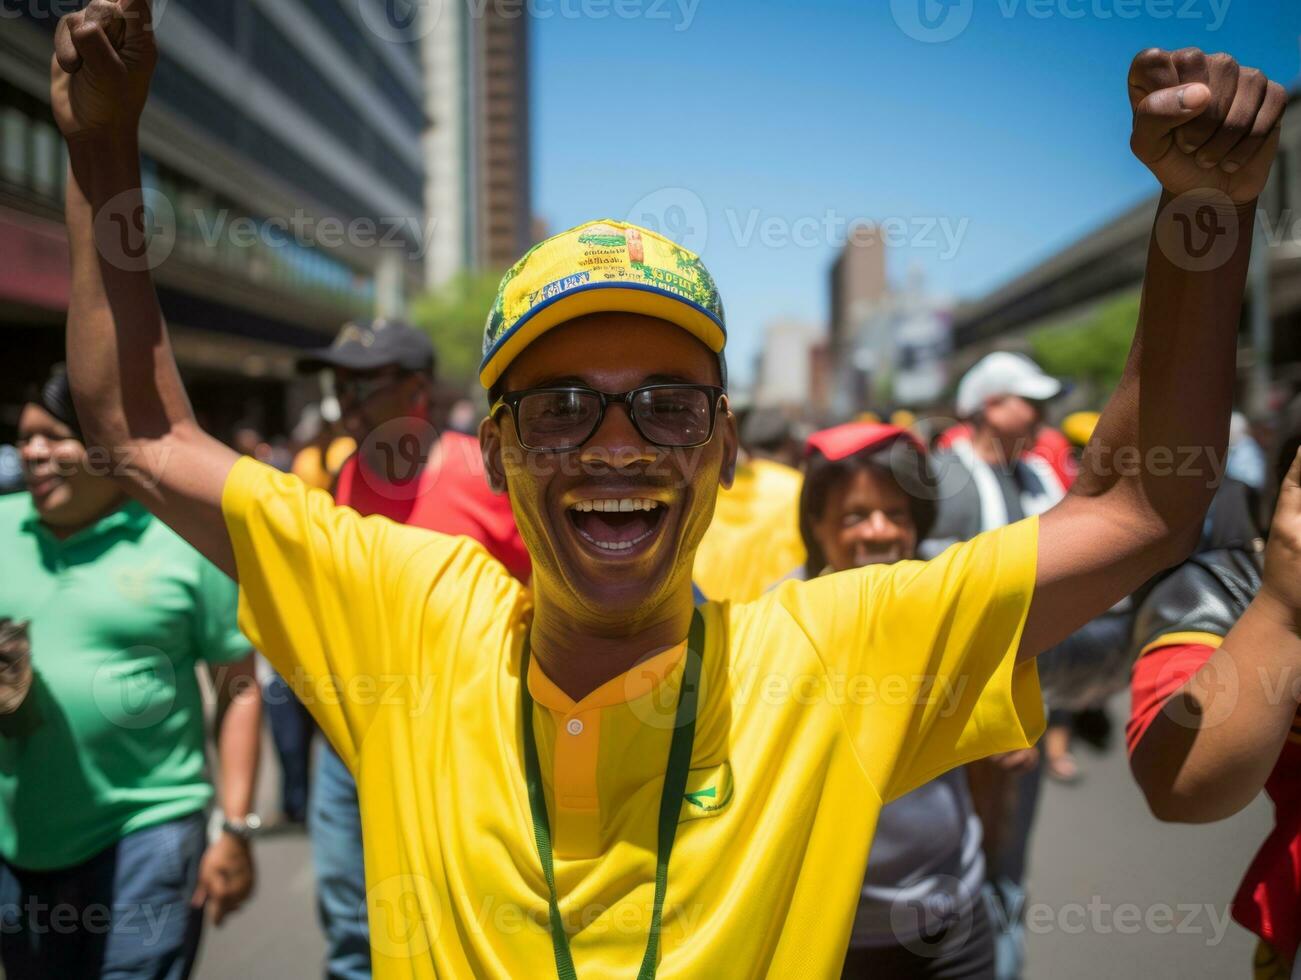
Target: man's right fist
[{"x": 99, "y": 75}]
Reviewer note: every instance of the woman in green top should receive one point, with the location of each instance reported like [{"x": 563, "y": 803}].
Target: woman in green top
[{"x": 104, "y": 861}]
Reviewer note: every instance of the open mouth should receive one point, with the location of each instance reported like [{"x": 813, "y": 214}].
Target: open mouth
[{"x": 621, "y": 526}]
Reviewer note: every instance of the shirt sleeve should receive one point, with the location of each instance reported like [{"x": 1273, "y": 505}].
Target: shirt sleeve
[
  {"x": 337, "y": 602},
  {"x": 218, "y": 638},
  {"x": 925, "y": 653},
  {"x": 1164, "y": 668}
]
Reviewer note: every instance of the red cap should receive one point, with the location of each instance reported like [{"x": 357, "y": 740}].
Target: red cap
[{"x": 842, "y": 441}]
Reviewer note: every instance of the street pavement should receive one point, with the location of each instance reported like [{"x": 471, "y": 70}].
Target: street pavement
[{"x": 1112, "y": 893}]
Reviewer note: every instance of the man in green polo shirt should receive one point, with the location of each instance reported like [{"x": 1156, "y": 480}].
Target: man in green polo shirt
[{"x": 104, "y": 861}]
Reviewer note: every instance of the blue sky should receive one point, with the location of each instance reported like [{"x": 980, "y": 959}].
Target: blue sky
[{"x": 756, "y": 130}]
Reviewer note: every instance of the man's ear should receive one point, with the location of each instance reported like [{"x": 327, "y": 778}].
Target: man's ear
[
  {"x": 490, "y": 446},
  {"x": 731, "y": 445}
]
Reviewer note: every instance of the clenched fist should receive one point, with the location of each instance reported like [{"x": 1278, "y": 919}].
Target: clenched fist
[
  {"x": 99, "y": 75},
  {"x": 1203, "y": 122}
]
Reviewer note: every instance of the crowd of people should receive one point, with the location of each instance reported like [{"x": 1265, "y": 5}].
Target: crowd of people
[{"x": 632, "y": 681}]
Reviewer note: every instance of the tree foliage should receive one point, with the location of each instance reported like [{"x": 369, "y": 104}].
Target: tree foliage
[
  {"x": 454, "y": 316},
  {"x": 1091, "y": 351}
]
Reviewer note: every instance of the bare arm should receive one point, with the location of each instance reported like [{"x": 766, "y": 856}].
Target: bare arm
[
  {"x": 124, "y": 378},
  {"x": 1210, "y": 750},
  {"x": 226, "y": 873},
  {"x": 1157, "y": 454}
]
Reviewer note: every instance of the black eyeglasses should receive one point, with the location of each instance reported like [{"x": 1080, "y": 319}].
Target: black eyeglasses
[{"x": 561, "y": 419}]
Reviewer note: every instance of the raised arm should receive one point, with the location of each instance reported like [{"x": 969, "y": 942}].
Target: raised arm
[
  {"x": 1208, "y": 129},
  {"x": 124, "y": 379},
  {"x": 1210, "y": 750}
]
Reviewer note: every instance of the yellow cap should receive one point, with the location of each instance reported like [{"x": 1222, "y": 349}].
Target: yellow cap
[
  {"x": 602, "y": 266},
  {"x": 1078, "y": 426}
]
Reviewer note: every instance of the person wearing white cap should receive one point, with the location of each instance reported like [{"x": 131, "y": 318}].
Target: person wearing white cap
[
  {"x": 986, "y": 481},
  {"x": 990, "y": 480}
]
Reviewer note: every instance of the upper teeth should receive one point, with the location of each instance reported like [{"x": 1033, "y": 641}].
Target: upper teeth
[{"x": 622, "y": 504}]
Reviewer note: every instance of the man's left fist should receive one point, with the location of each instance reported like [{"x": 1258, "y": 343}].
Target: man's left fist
[{"x": 1202, "y": 122}]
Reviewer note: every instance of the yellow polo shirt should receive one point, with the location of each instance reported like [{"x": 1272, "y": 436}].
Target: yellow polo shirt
[
  {"x": 754, "y": 540},
  {"x": 818, "y": 702}
]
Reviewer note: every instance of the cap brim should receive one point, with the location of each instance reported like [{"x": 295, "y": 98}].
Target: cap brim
[
  {"x": 602, "y": 297},
  {"x": 1038, "y": 389},
  {"x": 351, "y": 358}
]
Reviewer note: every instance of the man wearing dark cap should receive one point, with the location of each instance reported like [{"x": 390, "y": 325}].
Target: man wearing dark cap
[
  {"x": 595, "y": 777},
  {"x": 103, "y": 782},
  {"x": 404, "y": 469}
]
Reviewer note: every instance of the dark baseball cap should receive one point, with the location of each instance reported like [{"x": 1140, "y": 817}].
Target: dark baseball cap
[{"x": 367, "y": 346}]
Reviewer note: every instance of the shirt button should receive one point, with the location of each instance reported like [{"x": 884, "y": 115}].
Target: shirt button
[{"x": 574, "y": 726}]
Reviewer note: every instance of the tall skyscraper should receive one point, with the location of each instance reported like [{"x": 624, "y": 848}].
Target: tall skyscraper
[{"x": 477, "y": 155}]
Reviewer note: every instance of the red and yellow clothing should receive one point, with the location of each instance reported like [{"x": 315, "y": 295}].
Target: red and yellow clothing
[
  {"x": 819, "y": 702},
  {"x": 451, "y": 495},
  {"x": 1268, "y": 901}
]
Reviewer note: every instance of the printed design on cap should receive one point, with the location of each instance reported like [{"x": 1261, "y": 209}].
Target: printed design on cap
[{"x": 603, "y": 252}]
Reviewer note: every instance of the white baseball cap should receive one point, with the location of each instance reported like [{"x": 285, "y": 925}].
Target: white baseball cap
[{"x": 1003, "y": 373}]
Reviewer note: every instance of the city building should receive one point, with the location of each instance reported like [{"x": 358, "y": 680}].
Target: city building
[
  {"x": 1073, "y": 287},
  {"x": 284, "y": 180},
  {"x": 477, "y": 147},
  {"x": 786, "y": 374},
  {"x": 887, "y": 345}
]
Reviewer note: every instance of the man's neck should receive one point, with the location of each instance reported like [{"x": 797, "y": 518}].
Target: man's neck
[{"x": 578, "y": 658}]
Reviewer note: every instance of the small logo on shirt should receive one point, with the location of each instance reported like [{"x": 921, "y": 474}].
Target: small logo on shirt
[{"x": 708, "y": 792}]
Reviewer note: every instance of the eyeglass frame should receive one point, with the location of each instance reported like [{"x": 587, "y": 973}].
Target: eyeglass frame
[{"x": 511, "y": 400}]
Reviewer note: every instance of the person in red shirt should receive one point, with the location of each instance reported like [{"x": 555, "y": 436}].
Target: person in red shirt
[
  {"x": 1214, "y": 716},
  {"x": 409, "y": 472}
]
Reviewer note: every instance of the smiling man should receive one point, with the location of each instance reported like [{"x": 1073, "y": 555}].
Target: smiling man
[{"x": 597, "y": 778}]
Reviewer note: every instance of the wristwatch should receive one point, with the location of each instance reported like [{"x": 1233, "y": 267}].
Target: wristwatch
[{"x": 245, "y": 829}]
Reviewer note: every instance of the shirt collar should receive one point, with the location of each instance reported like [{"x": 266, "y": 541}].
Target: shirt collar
[
  {"x": 131, "y": 515},
  {"x": 638, "y": 681}
]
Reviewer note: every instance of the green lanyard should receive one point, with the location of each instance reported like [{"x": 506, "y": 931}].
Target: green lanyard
[{"x": 675, "y": 785}]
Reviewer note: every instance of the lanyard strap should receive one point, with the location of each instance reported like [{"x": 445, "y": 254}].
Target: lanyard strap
[{"x": 675, "y": 785}]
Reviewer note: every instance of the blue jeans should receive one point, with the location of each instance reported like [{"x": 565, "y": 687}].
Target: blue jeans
[
  {"x": 122, "y": 915},
  {"x": 291, "y": 730},
  {"x": 335, "y": 828}
]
